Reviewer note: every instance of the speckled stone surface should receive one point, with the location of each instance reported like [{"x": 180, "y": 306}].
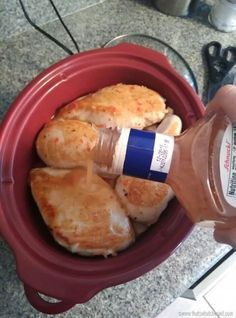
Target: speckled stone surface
[
  {"x": 24, "y": 56},
  {"x": 12, "y": 19}
]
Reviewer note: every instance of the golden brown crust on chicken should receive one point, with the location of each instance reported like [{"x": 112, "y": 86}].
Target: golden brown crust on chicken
[
  {"x": 89, "y": 219},
  {"x": 86, "y": 219},
  {"x": 120, "y": 105},
  {"x": 154, "y": 127},
  {"x": 144, "y": 200},
  {"x": 66, "y": 143}
]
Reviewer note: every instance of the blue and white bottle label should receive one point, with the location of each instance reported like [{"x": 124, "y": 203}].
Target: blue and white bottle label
[{"x": 143, "y": 154}]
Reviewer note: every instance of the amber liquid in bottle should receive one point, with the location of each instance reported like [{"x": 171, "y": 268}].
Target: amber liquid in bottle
[
  {"x": 197, "y": 164},
  {"x": 198, "y": 182}
]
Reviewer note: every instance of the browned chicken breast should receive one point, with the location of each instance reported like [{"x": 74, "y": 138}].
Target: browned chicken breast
[
  {"x": 66, "y": 143},
  {"x": 120, "y": 105},
  {"x": 143, "y": 200},
  {"x": 171, "y": 125},
  {"x": 84, "y": 218},
  {"x": 85, "y": 215},
  {"x": 169, "y": 112}
]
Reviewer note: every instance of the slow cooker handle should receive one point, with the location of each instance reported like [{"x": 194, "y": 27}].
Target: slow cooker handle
[{"x": 43, "y": 306}]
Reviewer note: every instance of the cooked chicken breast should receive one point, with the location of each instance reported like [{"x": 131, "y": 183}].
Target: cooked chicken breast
[
  {"x": 85, "y": 219},
  {"x": 169, "y": 111},
  {"x": 120, "y": 105},
  {"x": 139, "y": 228},
  {"x": 143, "y": 200},
  {"x": 66, "y": 143},
  {"x": 171, "y": 125}
]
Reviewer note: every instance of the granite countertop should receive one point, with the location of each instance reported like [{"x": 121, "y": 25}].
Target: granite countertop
[{"x": 22, "y": 57}]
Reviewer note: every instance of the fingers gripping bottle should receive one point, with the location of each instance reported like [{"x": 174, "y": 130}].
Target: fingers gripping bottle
[{"x": 199, "y": 165}]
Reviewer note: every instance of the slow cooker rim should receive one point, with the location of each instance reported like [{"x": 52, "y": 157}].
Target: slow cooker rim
[{"x": 73, "y": 59}]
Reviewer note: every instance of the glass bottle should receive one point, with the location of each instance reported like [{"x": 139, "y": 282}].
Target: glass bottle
[{"x": 199, "y": 165}]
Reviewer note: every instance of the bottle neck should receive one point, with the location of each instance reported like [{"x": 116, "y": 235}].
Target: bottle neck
[
  {"x": 136, "y": 153},
  {"x": 105, "y": 147}
]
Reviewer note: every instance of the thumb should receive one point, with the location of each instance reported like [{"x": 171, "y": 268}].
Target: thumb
[
  {"x": 225, "y": 99},
  {"x": 226, "y": 236}
]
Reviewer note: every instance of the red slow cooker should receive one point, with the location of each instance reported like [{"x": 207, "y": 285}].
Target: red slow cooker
[{"x": 42, "y": 265}]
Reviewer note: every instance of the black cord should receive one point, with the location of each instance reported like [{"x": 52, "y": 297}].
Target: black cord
[
  {"x": 47, "y": 34},
  {"x": 64, "y": 25}
]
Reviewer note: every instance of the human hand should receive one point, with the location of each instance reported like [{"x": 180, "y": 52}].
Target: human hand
[
  {"x": 226, "y": 236},
  {"x": 225, "y": 99}
]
